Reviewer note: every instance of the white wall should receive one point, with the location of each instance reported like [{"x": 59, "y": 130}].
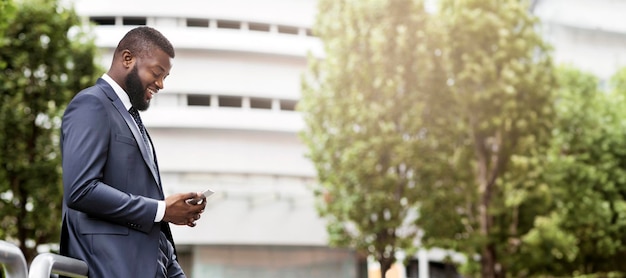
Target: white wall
[{"x": 590, "y": 35}]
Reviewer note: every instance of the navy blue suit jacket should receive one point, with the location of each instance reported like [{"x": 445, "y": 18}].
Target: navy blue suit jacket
[{"x": 110, "y": 188}]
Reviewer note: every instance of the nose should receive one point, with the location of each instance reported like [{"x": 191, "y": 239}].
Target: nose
[{"x": 159, "y": 83}]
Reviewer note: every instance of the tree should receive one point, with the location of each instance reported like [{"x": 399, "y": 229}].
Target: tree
[
  {"x": 584, "y": 231},
  {"x": 7, "y": 11},
  {"x": 48, "y": 59},
  {"x": 365, "y": 123},
  {"x": 500, "y": 78}
]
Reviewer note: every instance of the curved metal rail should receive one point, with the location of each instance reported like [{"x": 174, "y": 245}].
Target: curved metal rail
[
  {"x": 12, "y": 260},
  {"x": 47, "y": 263}
]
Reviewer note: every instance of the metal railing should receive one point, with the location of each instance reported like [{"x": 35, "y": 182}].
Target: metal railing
[
  {"x": 47, "y": 263},
  {"x": 13, "y": 263},
  {"x": 12, "y": 260}
]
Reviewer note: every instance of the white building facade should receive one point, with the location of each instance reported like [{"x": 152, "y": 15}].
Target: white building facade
[{"x": 588, "y": 35}]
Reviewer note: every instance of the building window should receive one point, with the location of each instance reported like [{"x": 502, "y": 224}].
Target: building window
[
  {"x": 261, "y": 103},
  {"x": 134, "y": 21},
  {"x": 198, "y": 100},
  {"x": 197, "y": 22},
  {"x": 288, "y": 105},
  {"x": 228, "y": 24},
  {"x": 287, "y": 30},
  {"x": 252, "y": 26},
  {"x": 103, "y": 20},
  {"x": 229, "y": 101},
  {"x": 203, "y": 22}
]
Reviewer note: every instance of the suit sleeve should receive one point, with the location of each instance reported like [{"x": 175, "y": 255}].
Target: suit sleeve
[{"x": 85, "y": 142}]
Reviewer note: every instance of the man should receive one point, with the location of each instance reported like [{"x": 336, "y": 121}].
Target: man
[{"x": 115, "y": 216}]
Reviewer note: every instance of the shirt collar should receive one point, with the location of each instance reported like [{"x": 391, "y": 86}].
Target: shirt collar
[{"x": 119, "y": 91}]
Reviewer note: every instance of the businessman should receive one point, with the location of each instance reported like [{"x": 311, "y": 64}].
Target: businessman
[{"x": 115, "y": 216}]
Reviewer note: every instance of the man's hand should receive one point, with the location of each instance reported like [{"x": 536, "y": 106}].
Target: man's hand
[{"x": 179, "y": 212}]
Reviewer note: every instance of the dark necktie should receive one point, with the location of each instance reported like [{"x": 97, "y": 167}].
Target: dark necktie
[
  {"x": 133, "y": 112},
  {"x": 142, "y": 129}
]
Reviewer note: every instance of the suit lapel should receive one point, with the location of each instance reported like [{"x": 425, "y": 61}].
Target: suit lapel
[
  {"x": 156, "y": 163},
  {"x": 117, "y": 103}
]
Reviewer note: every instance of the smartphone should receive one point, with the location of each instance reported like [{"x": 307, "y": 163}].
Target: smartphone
[{"x": 205, "y": 194}]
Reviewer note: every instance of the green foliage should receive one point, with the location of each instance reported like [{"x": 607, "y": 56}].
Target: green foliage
[
  {"x": 363, "y": 107},
  {"x": 456, "y": 123},
  {"x": 48, "y": 59},
  {"x": 500, "y": 84},
  {"x": 7, "y": 12},
  {"x": 584, "y": 233}
]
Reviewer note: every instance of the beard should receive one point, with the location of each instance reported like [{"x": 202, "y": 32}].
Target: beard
[{"x": 136, "y": 91}]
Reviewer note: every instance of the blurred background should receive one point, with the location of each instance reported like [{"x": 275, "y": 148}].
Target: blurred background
[{"x": 432, "y": 138}]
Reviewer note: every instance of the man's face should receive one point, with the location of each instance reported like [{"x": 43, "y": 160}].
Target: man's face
[{"x": 146, "y": 78}]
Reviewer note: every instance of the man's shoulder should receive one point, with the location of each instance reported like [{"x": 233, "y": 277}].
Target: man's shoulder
[
  {"x": 97, "y": 89},
  {"x": 89, "y": 98}
]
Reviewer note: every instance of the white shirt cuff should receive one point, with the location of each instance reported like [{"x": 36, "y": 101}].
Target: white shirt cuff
[{"x": 160, "y": 211}]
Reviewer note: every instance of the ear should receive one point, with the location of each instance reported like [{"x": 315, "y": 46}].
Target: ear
[{"x": 128, "y": 59}]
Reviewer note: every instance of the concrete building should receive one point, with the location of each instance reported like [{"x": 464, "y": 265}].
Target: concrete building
[{"x": 589, "y": 35}]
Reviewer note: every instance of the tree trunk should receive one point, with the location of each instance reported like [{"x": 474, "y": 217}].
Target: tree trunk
[
  {"x": 488, "y": 254},
  {"x": 485, "y": 177},
  {"x": 385, "y": 265},
  {"x": 488, "y": 262}
]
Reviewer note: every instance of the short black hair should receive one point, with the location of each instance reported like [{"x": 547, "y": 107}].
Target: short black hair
[{"x": 141, "y": 40}]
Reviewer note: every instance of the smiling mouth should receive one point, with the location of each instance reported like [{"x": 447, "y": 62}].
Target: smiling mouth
[{"x": 152, "y": 92}]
